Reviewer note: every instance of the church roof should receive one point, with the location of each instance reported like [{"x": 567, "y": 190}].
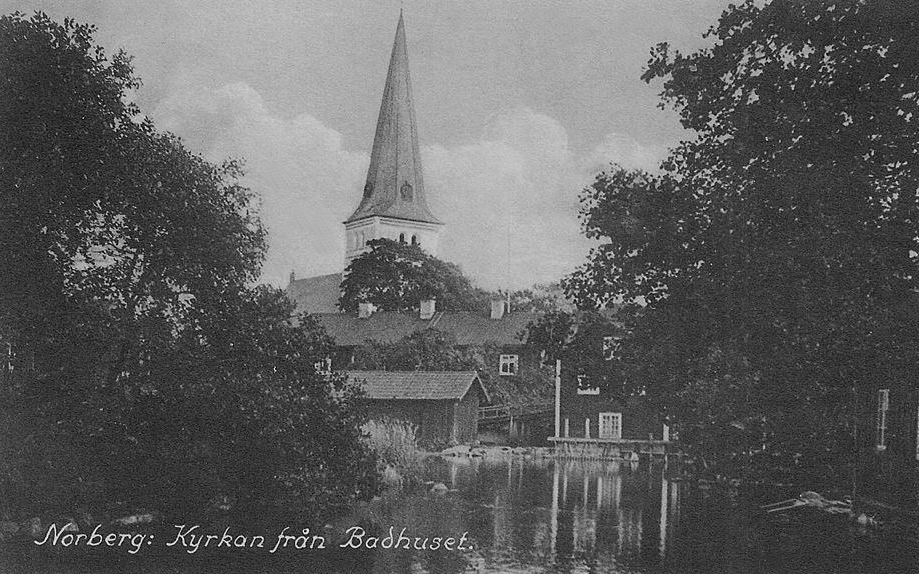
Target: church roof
[
  {"x": 316, "y": 294},
  {"x": 394, "y": 186}
]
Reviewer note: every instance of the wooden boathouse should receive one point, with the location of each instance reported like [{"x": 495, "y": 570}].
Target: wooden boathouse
[{"x": 442, "y": 405}]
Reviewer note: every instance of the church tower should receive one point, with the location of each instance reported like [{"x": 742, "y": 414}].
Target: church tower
[{"x": 394, "y": 205}]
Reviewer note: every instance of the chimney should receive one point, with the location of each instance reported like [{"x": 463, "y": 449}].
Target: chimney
[
  {"x": 497, "y": 308},
  {"x": 427, "y": 309},
  {"x": 365, "y": 310}
]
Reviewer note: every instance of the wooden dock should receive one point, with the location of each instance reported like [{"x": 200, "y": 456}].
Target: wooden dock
[{"x": 613, "y": 448}]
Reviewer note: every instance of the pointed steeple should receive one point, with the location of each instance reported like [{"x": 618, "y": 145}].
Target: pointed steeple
[{"x": 394, "y": 186}]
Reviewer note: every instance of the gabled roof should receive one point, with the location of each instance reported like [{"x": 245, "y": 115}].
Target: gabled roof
[
  {"x": 394, "y": 186},
  {"x": 417, "y": 385},
  {"x": 316, "y": 294},
  {"x": 388, "y": 327},
  {"x": 475, "y": 328},
  {"x": 383, "y": 327}
]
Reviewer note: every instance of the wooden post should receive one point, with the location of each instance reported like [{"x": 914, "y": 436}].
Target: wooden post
[{"x": 558, "y": 396}]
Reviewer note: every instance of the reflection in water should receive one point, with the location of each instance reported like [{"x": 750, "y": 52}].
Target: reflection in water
[
  {"x": 529, "y": 514},
  {"x": 598, "y": 519},
  {"x": 546, "y": 516},
  {"x": 541, "y": 515}
]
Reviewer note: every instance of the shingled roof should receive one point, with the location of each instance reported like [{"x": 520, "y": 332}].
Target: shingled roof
[
  {"x": 395, "y": 187},
  {"x": 417, "y": 385},
  {"x": 316, "y": 294},
  {"x": 388, "y": 327}
]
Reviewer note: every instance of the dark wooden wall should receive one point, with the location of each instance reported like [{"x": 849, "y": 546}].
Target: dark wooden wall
[
  {"x": 465, "y": 417},
  {"x": 638, "y": 421},
  {"x": 438, "y": 423}
]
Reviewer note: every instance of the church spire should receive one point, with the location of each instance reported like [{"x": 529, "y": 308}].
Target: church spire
[{"x": 394, "y": 186}]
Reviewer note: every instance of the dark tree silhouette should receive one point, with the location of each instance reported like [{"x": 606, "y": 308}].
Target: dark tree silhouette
[
  {"x": 396, "y": 276},
  {"x": 776, "y": 249},
  {"x": 125, "y": 300}
]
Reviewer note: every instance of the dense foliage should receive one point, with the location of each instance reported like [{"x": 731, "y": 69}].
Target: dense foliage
[
  {"x": 775, "y": 251},
  {"x": 144, "y": 368},
  {"x": 436, "y": 350},
  {"x": 395, "y": 276}
]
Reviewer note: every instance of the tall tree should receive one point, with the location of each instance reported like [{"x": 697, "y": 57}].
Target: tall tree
[
  {"x": 783, "y": 234},
  {"x": 126, "y": 297},
  {"x": 396, "y": 276}
]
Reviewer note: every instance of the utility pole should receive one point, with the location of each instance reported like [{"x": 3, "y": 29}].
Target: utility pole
[{"x": 558, "y": 395}]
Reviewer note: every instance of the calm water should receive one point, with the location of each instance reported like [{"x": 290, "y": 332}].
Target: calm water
[{"x": 547, "y": 516}]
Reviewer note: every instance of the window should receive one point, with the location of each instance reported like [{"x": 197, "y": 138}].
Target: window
[
  {"x": 610, "y": 347},
  {"x": 881, "y": 428},
  {"x": 406, "y": 191},
  {"x": 508, "y": 365},
  {"x": 414, "y": 240},
  {"x": 323, "y": 366},
  {"x": 584, "y": 389},
  {"x": 610, "y": 425},
  {"x": 401, "y": 238}
]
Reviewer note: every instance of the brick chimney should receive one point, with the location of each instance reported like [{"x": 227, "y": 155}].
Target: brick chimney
[
  {"x": 427, "y": 308},
  {"x": 365, "y": 309},
  {"x": 497, "y": 308}
]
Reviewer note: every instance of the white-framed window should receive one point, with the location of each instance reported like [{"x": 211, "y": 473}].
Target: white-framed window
[
  {"x": 584, "y": 387},
  {"x": 323, "y": 366},
  {"x": 881, "y": 423},
  {"x": 610, "y": 347},
  {"x": 610, "y": 425},
  {"x": 508, "y": 365}
]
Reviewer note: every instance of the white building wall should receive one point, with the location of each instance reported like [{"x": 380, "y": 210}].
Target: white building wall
[{"x": 359, "y": 233}]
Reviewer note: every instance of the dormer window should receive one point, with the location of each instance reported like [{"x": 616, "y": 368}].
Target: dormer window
[
  {"x": 584, "y": 387},
  {"x": 407, "y": 192},
  {"x": 508, "y": 365},
  {"x": 323, "y": 366},
  {"x": 610, "y": 347}
]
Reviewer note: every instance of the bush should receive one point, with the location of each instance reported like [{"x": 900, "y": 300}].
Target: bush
[{"x": 396, "y": 444}]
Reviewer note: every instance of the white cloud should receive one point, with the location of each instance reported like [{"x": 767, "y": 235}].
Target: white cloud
[
  {"x": 509, "y": 199},
  {"x": 307, "y": 181}
]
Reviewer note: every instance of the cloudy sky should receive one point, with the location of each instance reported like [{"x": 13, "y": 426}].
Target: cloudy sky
[{"x": 519, "y": 104}]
